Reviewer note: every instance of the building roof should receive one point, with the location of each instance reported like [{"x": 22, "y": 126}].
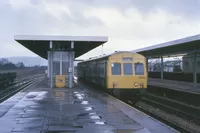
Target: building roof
[
  {"x": 183, "y": 45},
  {"x": 40, "y": 44}
]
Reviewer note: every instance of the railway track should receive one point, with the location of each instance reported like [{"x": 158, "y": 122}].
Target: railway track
[
  {"x": 189, "y": 110},
  {"x": 184, "y": 118},
  {"x": 18, "y": 86}
]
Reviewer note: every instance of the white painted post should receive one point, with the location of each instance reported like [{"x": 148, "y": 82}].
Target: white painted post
[
  {"x": 147, "y": 65},
  {"x": 48, "y": 67},
  {"x": 60, "y": 63},
  {"x": 71, "y": 66},
  {"x": 51, "y": 63}
]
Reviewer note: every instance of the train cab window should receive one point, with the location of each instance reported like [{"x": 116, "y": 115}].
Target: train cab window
[
  {"x": 116, "y": 69},
  {"x": 128, "y": 69},
  {"x": 127, "y": 59},
  {"x": 139, "y": 69}
]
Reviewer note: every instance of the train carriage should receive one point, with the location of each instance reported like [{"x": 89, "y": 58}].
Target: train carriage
[{"x": 119, "y": 73}]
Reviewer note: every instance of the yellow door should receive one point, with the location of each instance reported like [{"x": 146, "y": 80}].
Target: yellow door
[{"x": 60, "y": 81}]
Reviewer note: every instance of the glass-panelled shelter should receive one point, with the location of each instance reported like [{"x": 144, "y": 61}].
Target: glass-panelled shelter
[{"x": 61, "y": 52}]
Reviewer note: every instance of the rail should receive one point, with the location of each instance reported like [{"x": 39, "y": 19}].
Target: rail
[
  {"x": 175, "y": 114},
  {"x": 19, "y": 85}
]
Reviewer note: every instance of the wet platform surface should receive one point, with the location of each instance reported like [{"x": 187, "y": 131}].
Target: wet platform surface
[
  {"x": 42, "y": 110},
  {"x": 175, "y": 85}
]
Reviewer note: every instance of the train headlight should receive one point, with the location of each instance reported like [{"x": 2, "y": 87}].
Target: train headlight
[{"x": 136, "y": 84}]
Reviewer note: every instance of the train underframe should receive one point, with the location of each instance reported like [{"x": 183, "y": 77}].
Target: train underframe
[
  {"x": 127, "y": 94},
  {"x": 120, "y": 93}
]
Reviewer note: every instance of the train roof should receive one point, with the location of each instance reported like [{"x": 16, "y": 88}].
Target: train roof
[{"x": 106, "y": 56}]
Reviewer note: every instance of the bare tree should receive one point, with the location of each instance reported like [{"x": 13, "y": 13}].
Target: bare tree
[{"x": 177, "y": 64}]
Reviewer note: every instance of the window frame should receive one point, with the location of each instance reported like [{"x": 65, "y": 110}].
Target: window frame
[
  {"x": 119, "y": 74},
  {"x": 130, "y": 74},
  {"x": 136, "y": 73},
  {"x": 127, "y": 59}
]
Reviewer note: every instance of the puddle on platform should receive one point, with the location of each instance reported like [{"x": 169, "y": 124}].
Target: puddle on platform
[
  {"x": 126, "y": 131},
  {"x": 100, "y": 122},
  {"x": 83, "y": 114},
  {"x": 61, "y": 131},
  {"x": 30, "y": 96},
  {"x": 39, "y": 95},
  {"x": 79, "y": 96},
  {"x": 84, "y": 102},
  {"x": 59, "y": 94},
  {"x": 88, "y": 108},
  {"x": 80, "y": 102},
  {"x": 95, "y": 117},
  {"x": 94, "y": 113}
]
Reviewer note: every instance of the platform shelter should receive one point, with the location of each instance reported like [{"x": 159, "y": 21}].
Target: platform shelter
[{"x": 61, "y": 52}]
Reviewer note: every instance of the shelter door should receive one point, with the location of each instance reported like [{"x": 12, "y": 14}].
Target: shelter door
[{"x": 61, "y": 66}]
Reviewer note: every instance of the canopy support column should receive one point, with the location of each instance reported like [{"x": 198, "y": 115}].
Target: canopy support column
[
  {"x": 61, "y": 73},
  {"x": 161, "y": 68},
  {"x": 147, "y": 64},
  {"x": 71, "y": 66},
  {"x": 51, "y": 64},
  {"x": 194, "y": 69}
]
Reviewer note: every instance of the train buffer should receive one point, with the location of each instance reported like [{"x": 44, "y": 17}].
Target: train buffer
[{"x": 80, "y": 109}]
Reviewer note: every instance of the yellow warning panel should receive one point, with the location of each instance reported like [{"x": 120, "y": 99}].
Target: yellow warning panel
[{"x": 60, "y": 81}]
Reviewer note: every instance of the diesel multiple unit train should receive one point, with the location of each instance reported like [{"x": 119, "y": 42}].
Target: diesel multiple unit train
[{"x": 121, "y": 73}]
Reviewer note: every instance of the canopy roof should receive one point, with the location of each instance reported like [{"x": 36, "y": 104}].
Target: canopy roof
[
  {"x": 183, "y": 45},
  {"x": 40, "y": 44}
]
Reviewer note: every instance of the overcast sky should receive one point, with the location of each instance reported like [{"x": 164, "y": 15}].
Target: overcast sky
[{"x": 129, "y": 24}]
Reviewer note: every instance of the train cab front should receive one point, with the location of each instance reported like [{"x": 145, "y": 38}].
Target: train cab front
[{"x": 127, "y": 76}]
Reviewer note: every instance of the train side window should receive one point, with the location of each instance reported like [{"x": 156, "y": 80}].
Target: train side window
[
  {"x": 128, "y": 69},
  {"x": 116, "y": 69},
  {"x": 139, "y": 69}
]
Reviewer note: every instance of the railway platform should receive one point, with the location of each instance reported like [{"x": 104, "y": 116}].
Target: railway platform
[
  {"x": 175, "y": 85},
  {"x": 40, "y": 109}
]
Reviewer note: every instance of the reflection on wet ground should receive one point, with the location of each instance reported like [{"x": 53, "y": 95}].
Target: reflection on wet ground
[
  {"x": 99, "y": 122},
  {"x": 59, "y": 94},
  {"x": 62, "y": 110}
]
